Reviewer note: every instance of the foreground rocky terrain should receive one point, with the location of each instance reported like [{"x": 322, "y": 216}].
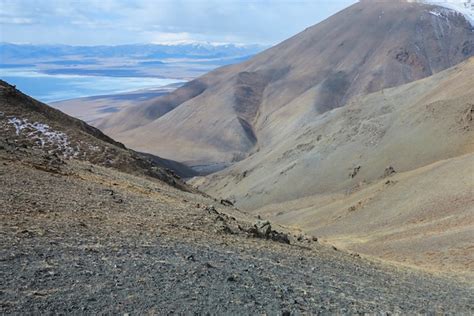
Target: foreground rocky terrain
[
  {"x": 83, "y": 234},
  {"x": 80, "y": 238}
]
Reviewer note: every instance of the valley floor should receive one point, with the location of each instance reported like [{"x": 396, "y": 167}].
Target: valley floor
[{"x": 78, "y": 238}]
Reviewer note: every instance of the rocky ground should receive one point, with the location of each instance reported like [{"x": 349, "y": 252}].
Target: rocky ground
[{"x": 84, "y": 239}]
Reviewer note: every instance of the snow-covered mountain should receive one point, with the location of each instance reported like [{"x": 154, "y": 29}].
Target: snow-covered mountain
[
  {"x": 465, "y": 7},
  {"x": 10, "y": 52}
]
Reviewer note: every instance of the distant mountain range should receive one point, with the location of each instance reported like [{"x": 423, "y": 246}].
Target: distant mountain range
[{"x": 14, "y": 54}]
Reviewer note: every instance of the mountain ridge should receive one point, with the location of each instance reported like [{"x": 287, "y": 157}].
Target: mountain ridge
[
  {"x": 310, "y": 72},
  {"x": 80, "y": 235},
  {"x": 38, "y": 126}
]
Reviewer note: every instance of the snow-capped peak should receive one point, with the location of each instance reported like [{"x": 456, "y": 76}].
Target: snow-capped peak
[{"x": 464, "y": 7}]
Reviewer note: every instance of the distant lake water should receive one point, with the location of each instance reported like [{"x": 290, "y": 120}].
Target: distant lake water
[{"x": 49, "y": 88}]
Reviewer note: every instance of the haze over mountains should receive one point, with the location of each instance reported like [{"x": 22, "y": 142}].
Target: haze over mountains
[{"x": 180, "y": 60}]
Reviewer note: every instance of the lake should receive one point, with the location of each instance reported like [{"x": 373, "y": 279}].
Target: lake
[{"x": 49, "y": 88}]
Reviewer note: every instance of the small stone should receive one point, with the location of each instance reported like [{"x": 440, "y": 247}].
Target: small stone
[
  {"x": 227, "y": 203},
  {"x": 299, "y": 301},
  {"x": 109, "y": 191},
  {"x": 208, "y": 265},
  {"x": 355, "y": 172},
  {"x": 211, "y": 209},
  {"x": 227, "y": 230},
  {"x": 264, "y": 228},
  {"x": 389, "y": 171}
]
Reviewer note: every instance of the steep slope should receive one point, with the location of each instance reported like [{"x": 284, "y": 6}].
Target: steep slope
[
  {"x": 35, "y": 125},
  {"x": 405, "y": 128},
  {"x": 464, "y": 7},
  {"x": 81, "y": 238},
  {"x": 333, "y": 178},
  {"x": 104, "y": 242},
  {"x": 421, "y": 218},
  {"x": 229, "y": 113}
]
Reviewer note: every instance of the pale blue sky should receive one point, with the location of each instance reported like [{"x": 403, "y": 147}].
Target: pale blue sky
[{"x": 111, "y": 22}]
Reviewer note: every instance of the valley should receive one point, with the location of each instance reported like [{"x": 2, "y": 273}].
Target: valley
[
  {"x": 355, "y": 141},
  {"x": 332, "y": 173},
  {"x": 91, "y": 235}
]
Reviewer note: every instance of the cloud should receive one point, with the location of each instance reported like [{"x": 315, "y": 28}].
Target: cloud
[
  {"x": 131, "y": 21},
  {"x": 166, "y": 38},
  {"x": 15, "y": 20}
]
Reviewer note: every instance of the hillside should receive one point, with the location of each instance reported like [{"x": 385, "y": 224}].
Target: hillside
[
  {"x": 391, "y": 174},
  {"x": 27, "y": 122},
  {"x": 80, "y": 236},
  {"x": 232, "y": 112}
]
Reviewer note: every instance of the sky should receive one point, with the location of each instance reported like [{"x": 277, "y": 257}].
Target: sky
[{"x": 114, "y": 22}]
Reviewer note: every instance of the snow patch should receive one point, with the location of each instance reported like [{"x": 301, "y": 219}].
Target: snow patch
[
  {"x": 464, "y": 7},
  {"x": 44, "y": 135},
  {"x": 438, "y": 14}
]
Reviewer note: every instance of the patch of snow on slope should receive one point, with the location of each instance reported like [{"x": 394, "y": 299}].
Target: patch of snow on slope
[
  {"x": 44, "y": 135},
  {"x": 464, "y": 7},
  {"x": 436, "y": 13}
]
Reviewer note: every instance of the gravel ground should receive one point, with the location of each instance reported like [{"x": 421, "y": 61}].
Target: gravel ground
[{"x": 82, "y": 239}]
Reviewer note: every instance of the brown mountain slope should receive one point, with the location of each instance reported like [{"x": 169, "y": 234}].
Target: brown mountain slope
[
  {"x": 79, "y": 237},
  {"x": 391, "y": 174},
  {"x": 406, "y": 127},
  {"x": 27, "y": 123},
  {"x": 229, "y": 113},
  {"x": 93, "y": 240}
]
